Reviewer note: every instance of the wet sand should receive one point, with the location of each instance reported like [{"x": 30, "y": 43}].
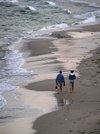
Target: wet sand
[
  {"x": 82, "y": 115},
  {"x": 38, "y": 46}
]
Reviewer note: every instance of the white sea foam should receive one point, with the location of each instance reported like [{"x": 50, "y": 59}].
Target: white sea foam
[
  {"x": 12, "y": 71},
  {"x": 66, "y": 11},
  {"x": 45, "y": 31},
  {"x": 31, "y": 8},
  {"x": 14, "y": 61},
  {"x": 25, "y": 8},
  {"x": 5, "y": 87},
  {"x": 89, "y": 20},
  {"x": 50, "y": 3},
  {"x": 3, "y": 101},
  {"x": 12, "y": 40},
  {"x": 53, "y": 27}
]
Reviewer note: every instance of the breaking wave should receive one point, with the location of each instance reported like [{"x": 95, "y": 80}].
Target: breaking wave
[
  {"x": 50, "y": 3},
  {"x": 45, "y": 31}
]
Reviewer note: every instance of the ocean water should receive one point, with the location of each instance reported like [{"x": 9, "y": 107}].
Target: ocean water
[{"x": 21, "y": 19}]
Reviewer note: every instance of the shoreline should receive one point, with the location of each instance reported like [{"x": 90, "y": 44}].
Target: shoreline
[
  {"x": 58, "y": 117},
  {"x": 48, "y": 56},
  {"x": 32, "y": 105}
]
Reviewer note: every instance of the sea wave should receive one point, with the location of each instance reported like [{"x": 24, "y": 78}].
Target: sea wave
[
  {"x": 50, "y": 3},
  {"x": 53, "y": 27},
  {"x": 9, "y": 3},
  {"x": 20, "y": 21},
  {"x": 87, "y": 21},
  {"x": 88, "y": 14},
  {"x": 28, "y": 8},
  {"x": 83, "y": 3},
  {"x": 45, "y": 31},
  {"x": 31, "y": 8},
  {"x": 3, "y": 101},
  {"x": 11, "y": 72},
  {"x": 66, "y": 11},
  {"x": 13, "y": 60}
]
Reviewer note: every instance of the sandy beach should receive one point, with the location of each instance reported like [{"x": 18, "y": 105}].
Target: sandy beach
[
  {"x": 30, "y": 61},
  {"x": 82, "y": 115},
  {"x": 76, "y": 113}
]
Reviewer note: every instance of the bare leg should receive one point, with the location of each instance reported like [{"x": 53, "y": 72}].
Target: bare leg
[
  {"x": 70, "y": 90},
  {"x": 61, "y": 90},
  {"x": 58, "y": 90}
]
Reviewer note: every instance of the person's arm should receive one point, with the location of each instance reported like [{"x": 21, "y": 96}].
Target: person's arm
[
  {"x": 74, "y": 76},
  {"x": 64, "y": 80},
  {"x": 56, "y": 79},
  {"x": 69, "y": 76}
]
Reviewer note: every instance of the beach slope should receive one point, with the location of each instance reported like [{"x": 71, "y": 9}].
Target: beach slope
[{"x": 82, "y": 114}]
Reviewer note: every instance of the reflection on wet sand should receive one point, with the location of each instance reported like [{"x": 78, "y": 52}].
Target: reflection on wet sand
[{"x": 62, "y": 102}]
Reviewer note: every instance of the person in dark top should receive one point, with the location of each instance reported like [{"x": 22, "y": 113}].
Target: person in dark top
[
  {"x": 60, "y": 80},
  {"x": 71, "y": 77}
]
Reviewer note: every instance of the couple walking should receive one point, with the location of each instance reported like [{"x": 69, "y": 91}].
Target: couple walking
[{"x": 60, "y": 81}]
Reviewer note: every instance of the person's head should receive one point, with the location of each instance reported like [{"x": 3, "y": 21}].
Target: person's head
[
  {"x": 71, "y": 71},
  {"x": 60, "y": 71}
]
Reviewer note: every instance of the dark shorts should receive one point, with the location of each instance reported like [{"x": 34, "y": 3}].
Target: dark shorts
[{"x": 71, "y": 83}]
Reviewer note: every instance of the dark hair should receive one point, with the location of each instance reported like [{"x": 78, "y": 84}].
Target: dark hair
[
  {"x": 72, "y": 71},
  {"x": 60, "y": 71}
]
